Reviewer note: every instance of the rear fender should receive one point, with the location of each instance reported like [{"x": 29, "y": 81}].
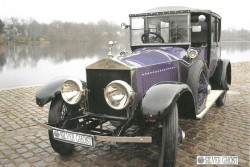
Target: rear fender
[
  {"x": 226, "y": 72},
  {"x": 160, "y": 98},
  {"x": 223, "y": 70},
  {"x": 49, "y": 91}
]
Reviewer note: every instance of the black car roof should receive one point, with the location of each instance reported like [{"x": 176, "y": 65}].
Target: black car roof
[{"x": 172, "y": 10}]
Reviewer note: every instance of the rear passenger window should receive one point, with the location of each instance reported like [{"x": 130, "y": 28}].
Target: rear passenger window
[
  {"x": 219, "y": 29},
  {"x": 214, "y": 29}
]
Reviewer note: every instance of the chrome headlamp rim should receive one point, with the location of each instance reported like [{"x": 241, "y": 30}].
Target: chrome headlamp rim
[
  {"x": 129, "y": 92},
  {"x": 192, "y": 53},
  {"x": 79, "y": 89}
]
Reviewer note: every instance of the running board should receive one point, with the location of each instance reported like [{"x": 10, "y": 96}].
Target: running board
[{"x": 211, "y": 98}]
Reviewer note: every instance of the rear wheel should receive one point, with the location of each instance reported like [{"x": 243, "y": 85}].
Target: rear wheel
[
  {"x": 221, "y": 80},
  {"x": 169, "y": 140},
  {"x": 59, "y": 111},
  {"x": 222, "y": 99}
]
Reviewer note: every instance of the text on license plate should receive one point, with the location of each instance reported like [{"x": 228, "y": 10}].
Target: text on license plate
[{"x": 73, "y": 137}]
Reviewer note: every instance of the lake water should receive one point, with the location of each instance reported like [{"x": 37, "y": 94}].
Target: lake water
[{"x": 33, "y": 65}]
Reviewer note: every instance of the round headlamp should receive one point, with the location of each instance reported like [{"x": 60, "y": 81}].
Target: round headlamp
[
  {"x": 72, "y": 91},
  {"x": 118, "y": 94},
  {"x": 192, "y": 53}
]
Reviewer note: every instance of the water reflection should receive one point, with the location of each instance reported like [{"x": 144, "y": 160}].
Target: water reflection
[
  {"x": 2, "y": 58},
  {"x": 235, "y": 46},
  {"x": 30, "y": 65},
  {"x": 236, "y": 51},
  {"x": 23, "y": 55}
]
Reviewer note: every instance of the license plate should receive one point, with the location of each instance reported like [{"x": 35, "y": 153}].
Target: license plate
[{"x": 74, "y": 137}]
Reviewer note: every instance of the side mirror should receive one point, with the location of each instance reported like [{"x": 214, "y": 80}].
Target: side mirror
[
  {"x": 124, "y": 26},
  {"x": 201, "y": 18}
]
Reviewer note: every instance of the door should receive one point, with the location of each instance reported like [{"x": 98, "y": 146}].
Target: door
[{"x": 215, "y": 44}]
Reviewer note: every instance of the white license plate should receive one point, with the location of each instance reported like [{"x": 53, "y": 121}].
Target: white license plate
[{"x": 73, "y": 137}]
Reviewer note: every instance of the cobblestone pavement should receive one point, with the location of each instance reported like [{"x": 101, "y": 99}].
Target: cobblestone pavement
[{"x": 223, "y": 131}]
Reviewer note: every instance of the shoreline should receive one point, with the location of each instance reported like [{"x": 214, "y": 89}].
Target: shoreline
[
  {"x": 53, "y": 43},
  {"x": 38, "y": 85}
]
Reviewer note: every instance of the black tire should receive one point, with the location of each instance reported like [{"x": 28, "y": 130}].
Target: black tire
[
  {"x": 55, "y": 115},
  {"x": 198, "y": 76},
  {"x": 222, "y": 99},
  {"x": 220, "y": 82},
  {"x": 169, "y": 141}
]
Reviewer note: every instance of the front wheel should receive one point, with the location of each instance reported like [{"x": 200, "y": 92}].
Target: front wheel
[
  {"x": 198, "y": 83},
  {"x": 57, "y": 112},
  {"x": 169, "y": 139}
]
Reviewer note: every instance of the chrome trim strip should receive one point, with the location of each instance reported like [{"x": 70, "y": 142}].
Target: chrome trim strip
[
  {"x": 168, "y": 62},
  {"x": 110, "y": 63},
  {"x": 136, "y": 139},
  {"x": 41, "y": 124}
]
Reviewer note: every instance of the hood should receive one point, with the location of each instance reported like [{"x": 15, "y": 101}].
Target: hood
[
  {"x": 154, "y": 55},
  {"x": 110, "y": 63}
]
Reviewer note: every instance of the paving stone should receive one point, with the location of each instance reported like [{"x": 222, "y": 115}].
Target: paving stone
[
  {"x": 1, "y": 156},
  {"x": 43, "y": 145},
  {"x": 13, "y": 156},
  {"x": 34, "y": 159},
  {"x": 19, "y": 160},
  {"x": 4, "y": 147},
  {"x": 9, "y": 165},
  {"x": 50, "y": 159},
  {"x": 38, "y": 150},
  {"x": 40, "y": 164},
  {"x": 8, "y": 152},
  {"x": 25, "y": 164},
  {"x": 21, "y": 150},
  {"x": 30, "y": 146},
  {"x": 43, "y": 154},
  {"x": 4, "y": 161},
  {"x": 49, "y": 150},
  {"x": 11, "y": 142},
  {"x": 27, "y": 155}
]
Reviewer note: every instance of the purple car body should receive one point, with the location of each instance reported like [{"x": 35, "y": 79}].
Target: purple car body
[{"x": 158, "y": 64}]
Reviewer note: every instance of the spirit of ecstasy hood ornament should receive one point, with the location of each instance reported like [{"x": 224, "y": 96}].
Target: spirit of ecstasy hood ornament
[{"x": 111, "y": 43}]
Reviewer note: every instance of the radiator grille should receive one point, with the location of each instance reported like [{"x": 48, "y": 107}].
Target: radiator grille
[{"x": 97, "y": 80}]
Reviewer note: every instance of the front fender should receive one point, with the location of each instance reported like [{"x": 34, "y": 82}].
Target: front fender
[
  {"x": 49, "y": 91},
  {"x": 160, "y": 98}
]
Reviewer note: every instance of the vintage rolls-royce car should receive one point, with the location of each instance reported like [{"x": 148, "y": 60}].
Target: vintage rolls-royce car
[{"x": 175, "y": 71}]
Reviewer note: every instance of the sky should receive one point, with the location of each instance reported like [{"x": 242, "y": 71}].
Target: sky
[{"x": 235, "y": 14}]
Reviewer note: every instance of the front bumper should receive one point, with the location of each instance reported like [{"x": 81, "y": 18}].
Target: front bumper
[{"x": 123, "y": 139}]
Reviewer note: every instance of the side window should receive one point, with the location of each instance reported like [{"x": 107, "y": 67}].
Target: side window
[
  {"x": 199, "y": 37},
  {"x": 219, "y": 29},
  {"x": 214, "y": 29}
]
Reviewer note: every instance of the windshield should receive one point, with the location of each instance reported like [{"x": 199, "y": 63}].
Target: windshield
[{"x": 165, "y": 29}]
